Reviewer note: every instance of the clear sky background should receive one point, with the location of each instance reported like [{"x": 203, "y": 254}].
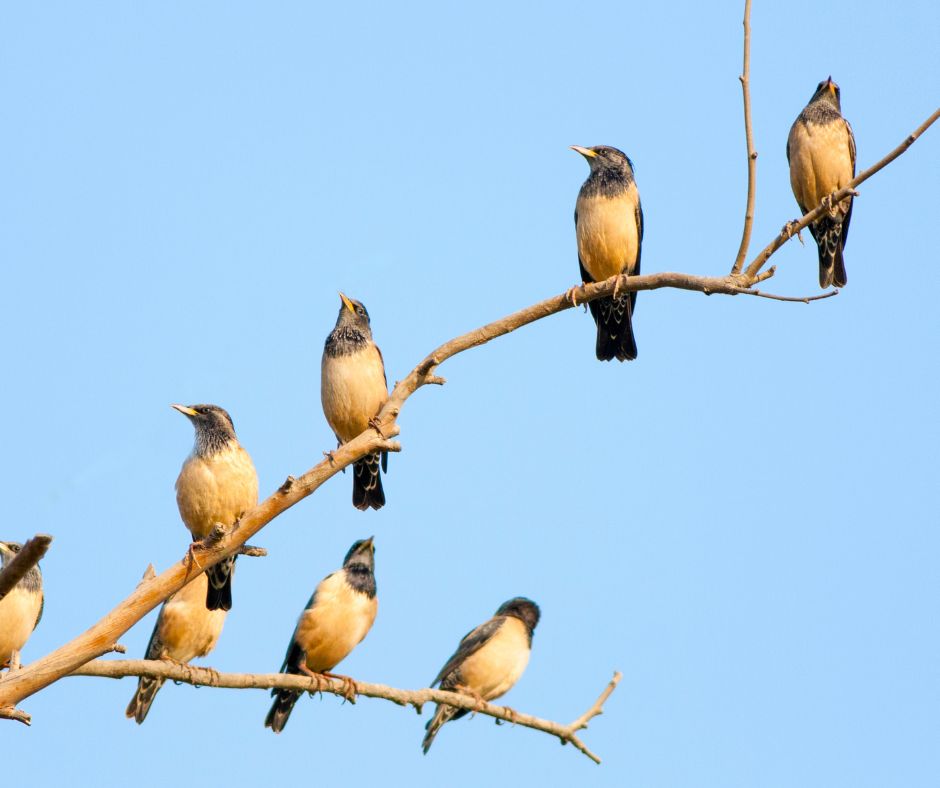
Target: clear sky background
[{"x": 743, "y": 521}]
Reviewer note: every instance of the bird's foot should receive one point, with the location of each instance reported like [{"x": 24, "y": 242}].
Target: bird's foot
[
  {"x": 616, "y": 287},
  {"x": 570, "y": 293},
  {"x": 512, "y": 714},
  {"x": 790, "y": 228},
  {"x": 330, "y": 456},
  {"x": 473, "y": 694},
  {"x": 317, "y": 677},
  {"x": 350, "y": 688},
  {"x": 826, "y": 203},
  {"x": 191, "y": 559},
  {"x": 374, "y": 423}
]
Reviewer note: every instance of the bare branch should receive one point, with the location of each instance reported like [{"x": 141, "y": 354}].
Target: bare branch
[
  {"x": 207, "y": 677},
  {"x": 28, "y": 556},
  {"x": 792, "y": 228},
  {"x": 12, "y": 713},
  {"x": 749, "y": 139}
]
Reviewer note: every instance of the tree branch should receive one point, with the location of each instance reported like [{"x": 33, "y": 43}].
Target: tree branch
[
  {"x": 28, "y": 556},
  {"x": 792, "y": 228},
  {"x": 749, "y": 140},
  {"x": 207, "y": 677}
]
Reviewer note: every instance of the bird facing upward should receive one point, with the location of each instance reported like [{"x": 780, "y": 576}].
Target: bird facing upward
[
  {"x": 185, "y": 629},
  {"x": 352, "y": 390},
  {"x": 217, "y": 484},
  {"x": 20, "y": 609},
  {"x": 488, "y": 661},
  {"x": 338, "y": 616},
  {"x": 608, "y": 222},
  {"x": 821, "y": 153}
]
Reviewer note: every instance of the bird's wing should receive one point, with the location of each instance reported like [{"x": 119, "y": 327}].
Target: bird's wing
[
  {"x": 472, "y": 642},
  {"x": 295, "y": 653},
  {"x": 848, "y": 213}
]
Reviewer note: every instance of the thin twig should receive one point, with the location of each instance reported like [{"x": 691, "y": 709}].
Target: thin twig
[
  {"x": 792, "y": 228},
  {"x": 12, "y": 713},
  {"x": 207, "y": 677},
  {"x": 749, "y": 139},
  {"x": 28, "y": 556}
]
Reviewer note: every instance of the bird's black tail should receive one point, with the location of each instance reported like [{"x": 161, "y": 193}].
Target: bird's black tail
[
  {"x": 284, "y": 701},
  {"x": 443, "y": 714},
  {"x": 367, "y": 483},
  {"x": 830, "y": 240},
  {"x": 614, "y": 320},
  {"x": 219, "y": 591},
  {"x": 140, "y": 704}
]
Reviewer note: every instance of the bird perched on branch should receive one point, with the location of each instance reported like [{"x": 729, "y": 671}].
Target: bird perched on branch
[
  {"x": 352, "y": 389},
  {"x": 608, "y": 222},
  {"x": 488, "y": 661},
  {"x": 821, "y": 153},
  {"x": 338, "y": 616},
  {"x": 217, "y": 484},
  {"x": 20, "y": 609},
  {"x": 185, "y": 629}
]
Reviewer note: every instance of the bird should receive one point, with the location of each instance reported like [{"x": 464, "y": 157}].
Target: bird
[
  {"x": 20, "y": 609},
  {"x": 608, "y": 220},
  {"x": 489, "y": 660},
  {"x": 821, "y": 154},
  {"x": 217, "y": 484},
  {"x": 352, "y": 390},
  {"x": 185, "y": 629},
  {"x": 336, "y": 619}
]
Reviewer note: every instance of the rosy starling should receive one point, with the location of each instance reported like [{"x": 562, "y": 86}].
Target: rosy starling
[
  {"x": 217, "y": 484},
  {"x": 608, "y": 222},
  {"x": 20, "y": 609},
  {"x": 185, "y": 629},
  {"x": 353, "y": 389},
  {"x": 488, "y": 661},
  {"x": 338, "y": 616},
  {"x": 821, "y": 152}
]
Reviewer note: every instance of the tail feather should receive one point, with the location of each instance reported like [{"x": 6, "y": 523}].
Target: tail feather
[
  {"x": 367, "y": 482},
  {"x": 147, "y": 688},
  {"x": 443, "y": 714},
  {"x": 284, "y": 701},
  {"x": 830, "y": 239},
  {"x": 219, "y": 591},
  {"x": 614, "y": 320}
]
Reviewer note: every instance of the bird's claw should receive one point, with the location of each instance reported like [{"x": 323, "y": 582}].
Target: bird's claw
[
  {"x": 570, "y": 294},
  {"x": 374, "y": 423},
  {"x": 330, "y": 456},
  {"x": 350, "y": 688}
]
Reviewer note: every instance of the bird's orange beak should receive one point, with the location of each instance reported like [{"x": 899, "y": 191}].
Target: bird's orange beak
[
  {"x": 831, "y": 85},
  {"x": 184, "y": 410},
  {"x": 348, "y": 303},
  {"x": 586, "y": 152}
]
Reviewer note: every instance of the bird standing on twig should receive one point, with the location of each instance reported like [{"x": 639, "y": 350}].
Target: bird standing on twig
[
  {"x": 352, "y": 389},
  {"x": 338, "y": 616},
  {"x": 185, "y": 629},
  {"x": 821, "y": 154},
  {"x": 217, "y": 484},
  {"x": 608, "y": 222},
  {"x": 488, "y": 661},
  {"x": 20, "y": 609}
]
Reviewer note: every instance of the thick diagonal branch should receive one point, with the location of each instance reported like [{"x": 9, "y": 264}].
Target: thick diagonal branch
[{"x": 207, "y": 677}]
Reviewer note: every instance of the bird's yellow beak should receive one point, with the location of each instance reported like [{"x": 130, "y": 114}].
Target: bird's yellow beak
[
  {"x": 184, "y": 410},
  {"x": 831, "y": 85},
  {"x": 369, "y": 543},
  {"x": 348, "y": 303},
  {"x": 586, "y": 152}
]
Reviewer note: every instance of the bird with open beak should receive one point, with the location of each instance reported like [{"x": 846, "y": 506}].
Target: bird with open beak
[{"x": 352, "y": 390}]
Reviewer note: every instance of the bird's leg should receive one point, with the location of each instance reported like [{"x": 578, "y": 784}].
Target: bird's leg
[
  {"x": 329, "y": 455},
  {"x": 302, "y": 667},
  {"x": 374, "y": 423},
  {"x": 826, "y": 203},
  {"x": 616, "y": 287},
  {"x": 191, "y": 559},
  {"x": 15, "y": 661},
  {"x": 350, "y": 688},
  {"x": 472, "y": 693},
  {"x": 788, "y": 228}
]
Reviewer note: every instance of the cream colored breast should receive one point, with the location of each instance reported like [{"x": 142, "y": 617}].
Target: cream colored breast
[
  {"x": 497, "y": 666},
  {"x": 339, "y": 621},
  {"x": 18, "y": 613},
  {"x": 186, "y": 628},
  {"x": 216, "y": 489},
  {"x": 820, "y": 161},
  {"x": 352, "y": 390},
  {"x": 608, "y": 238}
]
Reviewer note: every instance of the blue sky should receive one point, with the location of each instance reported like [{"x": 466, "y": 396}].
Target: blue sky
[{"x": 739, "y": 521}]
